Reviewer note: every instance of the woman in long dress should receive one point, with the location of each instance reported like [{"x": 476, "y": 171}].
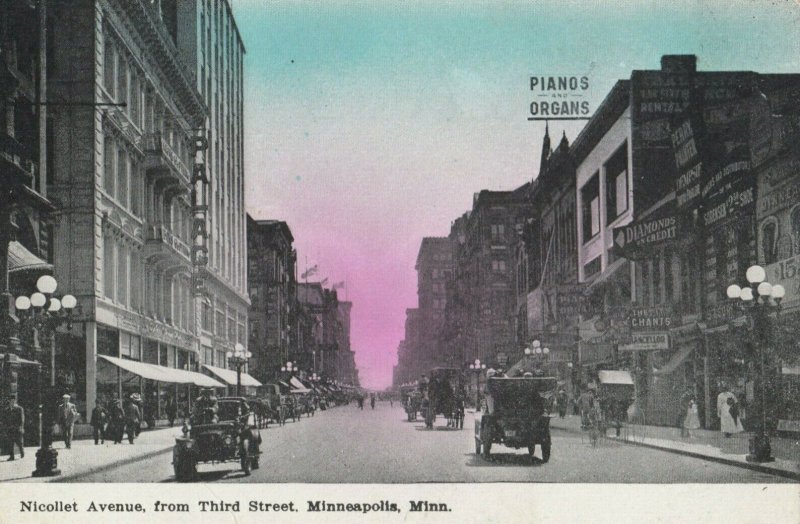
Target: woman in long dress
[
  {"x": 692, "y": 420},
  {"x": 728, "y": 423}
]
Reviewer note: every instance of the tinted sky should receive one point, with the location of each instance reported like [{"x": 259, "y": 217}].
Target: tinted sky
[{"x": 371, "y": 124}]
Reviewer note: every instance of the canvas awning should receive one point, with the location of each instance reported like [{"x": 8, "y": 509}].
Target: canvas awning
[
  {"x": 154, "y": 372},
  {"x": 14, "y": 359},
  {"x": 20, "y": 259},
  {"x": 676, "y": 360},
  {"x": 297, "y": 386},
  {"x": 790, "y": 370},
  {"x": 229, "y": 376},
  {"x": 614, "y": 376}
]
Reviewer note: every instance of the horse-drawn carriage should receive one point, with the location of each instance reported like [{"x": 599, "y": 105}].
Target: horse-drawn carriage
[
  {"x": 412, "y": 401},
  {"x": 615, "y": 394},
  {"x": 444, "y": 395},
  {"x": 515, "y": 415}
]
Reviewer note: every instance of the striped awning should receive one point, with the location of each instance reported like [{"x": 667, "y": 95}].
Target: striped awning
[{"x": 20, "y": 259}]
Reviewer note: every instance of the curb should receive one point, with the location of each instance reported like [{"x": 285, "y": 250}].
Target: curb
[
  {"x": 730, "y": 462},
  {"x": 111, "y": 465}
]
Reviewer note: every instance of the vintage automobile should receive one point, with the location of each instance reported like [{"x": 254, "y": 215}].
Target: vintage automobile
[
  {"x": 515, "y": 415},
  {"x": 444, "y": 389},
  {"x": 227, "y": 437}
]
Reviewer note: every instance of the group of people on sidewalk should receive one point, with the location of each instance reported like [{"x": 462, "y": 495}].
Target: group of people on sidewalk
[
  {"x": 13, "y": 423},
  {"x": 116, "y": 419}
]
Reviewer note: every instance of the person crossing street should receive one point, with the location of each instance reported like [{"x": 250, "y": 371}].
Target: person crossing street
[{"x": 14, "y": 424}]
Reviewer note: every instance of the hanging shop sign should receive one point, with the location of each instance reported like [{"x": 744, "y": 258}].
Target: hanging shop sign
[
  {"x": 646, "y": 342},
  {"x": 647, "y": 319},
  {"x": 637, "y": 239},
  {"x": 200, "y": 185}
]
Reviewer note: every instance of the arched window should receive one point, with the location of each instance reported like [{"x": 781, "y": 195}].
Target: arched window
[
  {"x": 795, "y": 225},
  {"x": 769, "y": 241}
]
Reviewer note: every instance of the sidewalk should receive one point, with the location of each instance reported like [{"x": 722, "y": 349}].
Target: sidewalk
[
  {"x": 703, "y": 444},
  {"x": 85, "y": 457}
]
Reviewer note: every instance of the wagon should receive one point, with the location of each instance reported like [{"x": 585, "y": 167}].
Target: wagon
[
  {"x": 515, "y": 415},
  {"x": 444, "y": 396}
]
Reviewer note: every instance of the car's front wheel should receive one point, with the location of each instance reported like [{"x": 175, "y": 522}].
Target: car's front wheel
[{"x": 245, "y": 457}]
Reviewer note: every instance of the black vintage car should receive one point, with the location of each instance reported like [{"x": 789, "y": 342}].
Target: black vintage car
[
  {"x": 515, "y": 415},
  {"x": 228, "y": 437}
]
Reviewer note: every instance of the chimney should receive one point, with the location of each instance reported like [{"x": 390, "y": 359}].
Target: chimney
[{"x": 679, "y": 63}]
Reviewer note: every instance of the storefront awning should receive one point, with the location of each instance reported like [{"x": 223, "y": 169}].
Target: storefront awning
[
  {"x": 297, "y": 386},
  {"x": 790, "y": 370},
  {"x": 229, "y": 376},
  {"x": 14, "y": 359},
  {"x": 614, "y": 376},
  {"x": 611, "y": 270},
  {"x": 676, "y": 360},
  {"x": 155, "y": 373},
  {"x": 20, "y": 259}
]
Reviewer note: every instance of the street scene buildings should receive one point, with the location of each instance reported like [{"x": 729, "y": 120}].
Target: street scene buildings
[{"x": 636, "y": 284}]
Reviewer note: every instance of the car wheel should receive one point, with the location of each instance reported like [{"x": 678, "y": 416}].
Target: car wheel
[
  {"x": 486, "y": 439},
  {"x": 245, "y": 457},
  {"x": 546, "y": 450}
]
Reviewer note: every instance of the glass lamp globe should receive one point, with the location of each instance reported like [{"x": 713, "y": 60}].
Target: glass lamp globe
[
  {"x": 55, "y": 305},
  {"x": 734, "y": 291},
  {"x": 546, "y": 351},
  {"x": 472, "y": 366},
  {"x": 538, "y": 350},
  {"x": 46, "y": 284},
  {"x": 69, "y": 302},
  {"x": 765, "y": 289},
  {"x": 247, "y": 354},
  {"x": 527, "y": 351},
  {"x": 22, "y": 303},
  {"x": 228, "y": 354},
  {"x": 38, "y": 300},
  {"x": 747, "y": 294},
  {"x": 755, "y": 274},
  {"x": 778, "y": 291},
  {"x": 536, "y": 344}
]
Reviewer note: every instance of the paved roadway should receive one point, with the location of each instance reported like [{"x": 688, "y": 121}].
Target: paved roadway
[{"x": 347, "y": 445}]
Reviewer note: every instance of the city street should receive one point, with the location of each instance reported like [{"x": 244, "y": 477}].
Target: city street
[{"x": 347, "y": 445}]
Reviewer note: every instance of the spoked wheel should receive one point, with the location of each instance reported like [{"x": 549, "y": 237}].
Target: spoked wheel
[
  {"x": 245, "y": 457},
  {"x": 546, "y": 449},
  {"x": 486, "y": 439}
]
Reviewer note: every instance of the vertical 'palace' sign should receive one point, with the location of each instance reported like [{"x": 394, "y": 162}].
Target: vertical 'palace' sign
[{"x": 199, "y": 212}]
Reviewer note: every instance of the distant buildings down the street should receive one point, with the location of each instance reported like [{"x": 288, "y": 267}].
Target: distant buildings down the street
[{"x": 618, "y": 253}]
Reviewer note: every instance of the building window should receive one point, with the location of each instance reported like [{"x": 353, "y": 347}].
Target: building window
[
  {"x": 130, "y": 346},
  {"x": 108, "y": 67},
  {"x": 769, "y": 242},
  {"x": 795, "y": 224},
  {"x": 498, "y": 231},
  {"x": 208, "y": 356},
  {"x": 498, "y": 265},
  {"x": 136, "y": 280},
  {"x": 136, "y": 181},
  {"x": 617, "y": 183},
  {"x": 108, "y": 267},
  {"x": 122, "y": 177},
  {"x": 109, "y": 161},
  {"x": 591, "y": 268},
  {"x": 107, "y": 342},
  {"x": 122, "y": 276},
  {"x": 590, "y": 202}
]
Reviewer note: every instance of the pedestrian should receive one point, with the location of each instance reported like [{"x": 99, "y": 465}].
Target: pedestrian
[
  {"x": 372, "y": 400},
  {"x": 585, "y": 403},
  {"x": 172, "y": 410},
  {"x": 14, "y": 424},
  {"x": 561, "y": 403},
  {"x": 683, "y": 406},
  {"x": 116, "y": 421},
  {"x": 728, "y": 413},
  {"x": 98, "y": 423},
  {"x": 133, "y": 418},
  {"x": 692, "y": 419},
  {"x": 67, "y": 415}
]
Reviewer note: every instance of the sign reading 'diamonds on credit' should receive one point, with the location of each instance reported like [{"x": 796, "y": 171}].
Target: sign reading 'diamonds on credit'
[{"x": 559, "y": 98}]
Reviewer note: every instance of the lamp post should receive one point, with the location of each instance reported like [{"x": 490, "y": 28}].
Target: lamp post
[
  {"x": 45, "y": 313},
  {"x": 538, "y": 352},
  {"x": 289, "y": 368},
  {"x": 238, "y": 357},
  {"x": 477, "y": 368},
  {"x": 755, "y": 301}
]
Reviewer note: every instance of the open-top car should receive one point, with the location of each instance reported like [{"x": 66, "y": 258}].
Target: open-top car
[
  {"x": 222, "y": 434},
  {"x": 515, "y": 415}
]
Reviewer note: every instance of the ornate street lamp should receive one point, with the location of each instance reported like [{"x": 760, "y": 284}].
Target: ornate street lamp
[
  {"x": 45, "y": 312},
  {"x": 238, "y": 357},
  {"x": 477, "y": 367},
  {"x": 758, "y": 300}
]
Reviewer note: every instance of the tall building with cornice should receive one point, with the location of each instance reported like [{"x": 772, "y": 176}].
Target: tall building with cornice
[{"x": 134, "y": 136}]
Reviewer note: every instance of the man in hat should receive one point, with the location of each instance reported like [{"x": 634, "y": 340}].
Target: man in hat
[
  {"x": 67, "y": 415},
  {"x": 133, "y": 417},
  {"x": 14, "y": 425},
  {"x": 205, "y": 408}
]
